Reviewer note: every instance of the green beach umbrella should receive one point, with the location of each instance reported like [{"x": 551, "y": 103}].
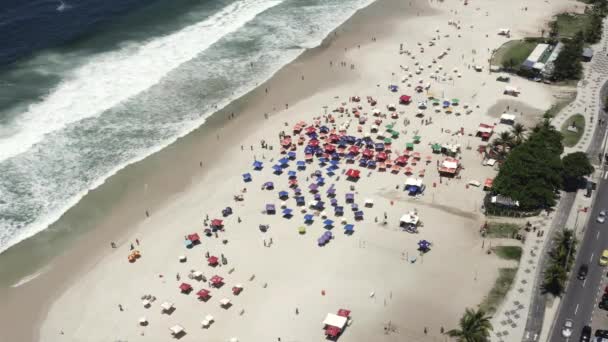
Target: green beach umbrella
[
  {"x": 395, "y": 135},
  {"x": 455, "y": 101},
  {"x": 390, "y": 126},
  {"x": 409, "y": 146},
  {"x": 417, "y": 138},
  {"x": 388, "y": 140},
  {"x": 436, "y": 147}
]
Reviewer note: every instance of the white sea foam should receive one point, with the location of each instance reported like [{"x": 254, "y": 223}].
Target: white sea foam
[
  {"x": 323, "y": 15},
  {"x": 113, "y": 77},
  {"x": 29, "y": 278}
]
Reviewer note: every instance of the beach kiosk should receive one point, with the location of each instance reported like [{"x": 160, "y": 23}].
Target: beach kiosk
[
  {"x": 409, "y": 222},
  {"x": 485, "y": 131},
  {"x": 449, "y": 167},
  {"x": 334, "y": 324},
  {"x": 507, "y": 119},
  {"x": 414, "y": 186}
]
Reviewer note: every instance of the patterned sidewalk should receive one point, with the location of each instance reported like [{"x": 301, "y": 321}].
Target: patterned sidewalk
[{"x": 510, "y": 319}]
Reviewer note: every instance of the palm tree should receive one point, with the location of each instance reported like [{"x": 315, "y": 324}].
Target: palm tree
[
  {"x": 474, "y": 325},
  {"x": 555, "y": 277},
  {"x": 519, "y": 133},
  {"x": 504, "y": 140}
]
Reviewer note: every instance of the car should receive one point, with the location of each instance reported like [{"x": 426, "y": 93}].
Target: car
[
  {"x": 601, "y": 333},
  {"x": 604, "y": 258},
  {"x": 582, "y": 272},
  {"x": 601, "y": 217},
  {"x": 585, "y": 334},
  {"x": 567, "y": 328},
  {"x": 603, "y": 304}
]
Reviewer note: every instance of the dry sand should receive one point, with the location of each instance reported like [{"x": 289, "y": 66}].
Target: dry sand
[{"x": 89, "y": 282}]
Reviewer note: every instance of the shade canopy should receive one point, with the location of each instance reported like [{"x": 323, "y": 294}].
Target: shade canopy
[{"x": 335, "y": 321}]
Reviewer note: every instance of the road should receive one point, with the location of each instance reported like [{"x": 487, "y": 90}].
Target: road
[{"x": 581, "y": 296}]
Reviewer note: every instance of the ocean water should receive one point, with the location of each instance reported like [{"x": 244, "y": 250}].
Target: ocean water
[{"x": 88, "y": 87}]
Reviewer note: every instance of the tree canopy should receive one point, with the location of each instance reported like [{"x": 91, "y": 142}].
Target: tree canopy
[
  {"x": 474, "y": 326},
  {"x": 532, "y": 171},
  {"x": 568, "y": 63},
  {"x": 575, "y": 165}
]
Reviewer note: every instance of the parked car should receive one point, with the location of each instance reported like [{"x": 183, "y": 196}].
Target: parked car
[
  {"x": 601, "y": 217},
  {"x": 582, "y": 271},
  {"x": 604, "y": 258},
  {"x": 603, "y": 304},
  {"x": 601, "y": 333},
  {"x": 567, "y": 328},
  {"x": 585, "y": 334}
]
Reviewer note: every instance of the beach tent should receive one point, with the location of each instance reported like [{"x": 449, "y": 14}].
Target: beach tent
[
  {"x": 258, "y": 165},
  {"x": 485, "y": 131},
  {"x": 203, "y": 294},
  {"x": 353, "y": 174},
  {"x": 166, "y": 307},
  {"x": 225, "y": 302},
  {"x": 349, "y": 229},
  {"x": 247, "y": 177},
  {"x": 270, "y": 209},
  {"x": 405, "y": 99},
  {"x": 414, "y": 186},
  {"x": 212, "y": 260},
  {"x": 300, "y": 200},
  {"x": 207, "y": 321},
  {"x": 194, "y": 238},
  {"x": 409, "y": 220},
  {"x": 176, "y": 330},
  {"x": 424, "y": 246},
  {"x": 487, "y": 185},
  {"x": 449, "y": 167},
  {"x": 349, "y": 197},
  {"x": 185, "y": 287}
]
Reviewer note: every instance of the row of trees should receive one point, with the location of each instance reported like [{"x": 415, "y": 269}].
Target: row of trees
[
  {"x": 561, "y": 259},
  {"x": 533, "y": 171}
]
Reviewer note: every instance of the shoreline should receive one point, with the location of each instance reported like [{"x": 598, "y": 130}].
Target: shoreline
[{"x": 113, "y": 210}]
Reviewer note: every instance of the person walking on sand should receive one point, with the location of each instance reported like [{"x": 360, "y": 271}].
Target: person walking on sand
[
  {"x": 120, "y": 307},
  {"x": 137, "y": 241},
  {"x": 132, "y": 247},
  {"x": 297, "y": 311}
]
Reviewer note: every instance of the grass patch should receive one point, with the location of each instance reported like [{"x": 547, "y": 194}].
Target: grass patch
[
  {"x": 572, "y": 138},
  {"x": 562, "y": 103},
  {"x": 515, "y": 50},
  {"x": 490, "y": 303},
  {"x": 508, "y": 252},
  {"x": 502, "y": 230},
  {"x": 568, "y": 24}
]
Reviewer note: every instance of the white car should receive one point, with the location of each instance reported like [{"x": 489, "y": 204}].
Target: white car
[
  {"x": 567, "y": 328},
  {"x": 601, "y": 217}
]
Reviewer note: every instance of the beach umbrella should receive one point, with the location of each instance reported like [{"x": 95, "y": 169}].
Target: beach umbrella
[
  {"x": 409, "y": 146},
  {"x": 417, "y": 138},
  {"x": 302, "y": 230}
]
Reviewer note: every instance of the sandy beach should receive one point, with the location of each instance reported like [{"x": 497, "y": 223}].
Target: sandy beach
[{"x": 290, "y": 284}]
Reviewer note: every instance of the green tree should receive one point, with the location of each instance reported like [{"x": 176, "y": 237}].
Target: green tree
[
  {"x": 553, "y": 28},
  {"x": 568, "y": 63},
  {"x": 561, "y": 260},
  {"x": 474, "y": 326},
  {"x": 519, "y": 133},
  {"x": 575, "y": 166},
  {"x": 554, "y": 278},
  {"x": 531, "y": 173},
  {"x": 593, "y": 33}
]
